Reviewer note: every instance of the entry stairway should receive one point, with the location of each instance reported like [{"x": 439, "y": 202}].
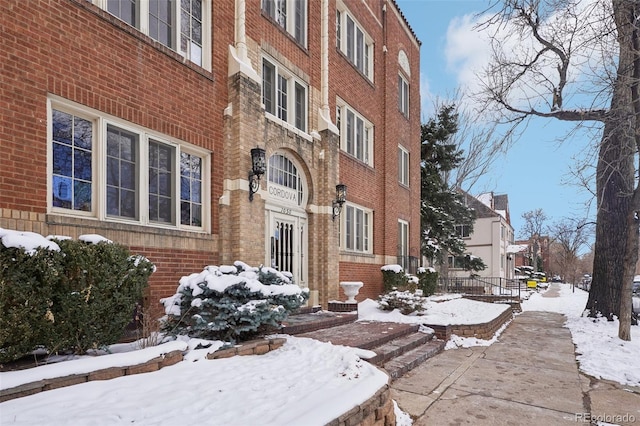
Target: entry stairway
[{"x": 398, "y": 347}]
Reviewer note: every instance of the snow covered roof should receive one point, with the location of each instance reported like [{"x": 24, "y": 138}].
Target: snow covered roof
[{"x": 517, "y": 248}]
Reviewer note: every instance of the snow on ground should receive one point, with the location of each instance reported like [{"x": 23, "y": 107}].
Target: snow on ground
[
  {"x": 600, "y": 352},
  {"x": 304, "y": 382}
]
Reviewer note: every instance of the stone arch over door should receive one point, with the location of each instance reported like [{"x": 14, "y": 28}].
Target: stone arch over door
[{"x": 287, "y": 232}]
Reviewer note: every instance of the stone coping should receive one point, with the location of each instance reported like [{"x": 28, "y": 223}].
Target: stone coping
[{"x": 253, "y": 347}]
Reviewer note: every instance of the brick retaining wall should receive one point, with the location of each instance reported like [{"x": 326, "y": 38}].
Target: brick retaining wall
[{"x": 481, "y": 331}]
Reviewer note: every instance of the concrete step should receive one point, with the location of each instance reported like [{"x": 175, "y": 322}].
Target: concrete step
[
  {"x": 399, "y": 346},
  {"x": 362, "y": 334},
  {"x": 308, "y": 322},
  {"x": 399, "y": 365}
]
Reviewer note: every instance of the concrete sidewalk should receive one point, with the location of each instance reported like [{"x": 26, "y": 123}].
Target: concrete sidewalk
[{"x": 529, "y": 376}]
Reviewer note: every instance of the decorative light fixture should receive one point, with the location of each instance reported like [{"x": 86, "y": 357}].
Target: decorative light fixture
[
  {"x": 341, "y": 197},
  {"x": 258, "y": 168}
]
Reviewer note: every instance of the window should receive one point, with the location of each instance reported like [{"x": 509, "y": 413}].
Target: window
[
  {"x": 291, "y": 15},
  {"x": 356, "y": 133},
  {"x": 72, "y": 152},
  {"x": 463, "y": 231},
  {"x": 456, "y": 262},
  {"x": 403, "y": 166},
  {"x": 352, "y": 40},
  {"x": 357, "y": 229},
  {"x": 181, "y": 25},
  {"x": 284, "y": 96},
  {"x": 403, "y": 96},
  {"x": 283, "y": 172},
  {"x": 403, "y": 240},
  {"x": 147, "y": 178}
]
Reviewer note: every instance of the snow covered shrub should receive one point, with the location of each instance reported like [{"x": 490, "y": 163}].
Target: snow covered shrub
[
  {"x": 405, "y": 301},
  {"x": 65, "y": 295},
  {"x": 27, "y": 282},
  {"x": 231, "y": 303},
  {"x": 427, "y": 280},
  {"x": 97, "y": 295},
  {"x": 393, "y": 277}
]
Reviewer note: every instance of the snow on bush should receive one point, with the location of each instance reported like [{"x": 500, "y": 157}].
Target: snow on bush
[
  {"x": 231, "y": 303},
  {"x": 405, "y": 301}
]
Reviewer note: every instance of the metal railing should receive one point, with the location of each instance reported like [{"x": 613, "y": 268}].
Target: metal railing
[
  {"x": 409, "y": 264},
  {"x": 496, "y": 286}
]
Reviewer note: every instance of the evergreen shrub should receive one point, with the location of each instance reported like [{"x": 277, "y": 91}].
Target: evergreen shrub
[
  {"x": 394, "y": 278},
  {"x": 427, "y": 281},
  {"x": 405, "y": 301},
  {"x": 231, "y": 303},
  {"x": 73, "y": 299}
]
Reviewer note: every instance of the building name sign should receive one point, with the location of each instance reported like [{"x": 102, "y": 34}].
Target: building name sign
[{"x": 283, "y": 194}]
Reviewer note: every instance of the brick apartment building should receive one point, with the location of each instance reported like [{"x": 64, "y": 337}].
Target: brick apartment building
[{"x": 136, "y": 120}]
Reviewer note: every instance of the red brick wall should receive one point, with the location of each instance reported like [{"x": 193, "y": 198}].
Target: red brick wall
[
  {"x": 171, "y": 266},
  {"x": 369, "y": 274},
  {"x": 112, "y": 68}
]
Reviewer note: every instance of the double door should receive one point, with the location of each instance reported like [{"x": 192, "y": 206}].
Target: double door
[{"x": 287, "y": 242}]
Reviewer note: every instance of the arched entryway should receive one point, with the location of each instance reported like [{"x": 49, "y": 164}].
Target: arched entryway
[{"x": 286, "y": 242}]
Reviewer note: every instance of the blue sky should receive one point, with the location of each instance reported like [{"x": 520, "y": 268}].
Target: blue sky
[{"x": 535, "y": 171}]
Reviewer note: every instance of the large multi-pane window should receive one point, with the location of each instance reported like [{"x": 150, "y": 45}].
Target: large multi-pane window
[
  {"x": 182, "y": 25},
  {"x": 403, "y": 166},
  {"x": 291, "y": 15},
  {"x": 463, "y": 231},
  {"x": 403, "y": 95},
  {"x": 353, "y": 41},
  {"x": 356, "y": 133},
  {"x": 72, "y": 152},
  {"x": 283, "y": 95},
  {"x": 123, "y": 172},
  {"x": 358, "y": 229}
]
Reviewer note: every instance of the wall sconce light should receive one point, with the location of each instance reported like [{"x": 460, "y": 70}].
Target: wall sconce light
[
  {"x": 258, "y": 168},
  {"x": 341, "y": 197}
]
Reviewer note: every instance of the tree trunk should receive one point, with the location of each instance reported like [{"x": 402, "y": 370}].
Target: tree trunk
[{"x": 616, "y": 246}]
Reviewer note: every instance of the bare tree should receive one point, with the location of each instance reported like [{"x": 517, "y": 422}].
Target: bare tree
[
  {"x": 532, "y": 230},
  {"x": 579, "y": 61},
  {"x": 569, "y": 237}
]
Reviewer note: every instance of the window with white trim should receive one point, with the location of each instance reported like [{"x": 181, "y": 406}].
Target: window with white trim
[
  {"x": 357, "y": 229},
  {"x": 403, "y": 95},
  {"x": 181, "y": 25},
  {"x": 403, "y": 166},
  {"x": 291, "y": 15},
  {"x": 356, "y": 133},
  {"x": 353, "y": 41},
  {"x": 283, "y": 95},
  {"x": 113, "y": 170},
  {"x": 403, "y": 239}
]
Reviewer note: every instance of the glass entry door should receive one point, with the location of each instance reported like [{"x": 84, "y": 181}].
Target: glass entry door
[{"x": 287, "y": 245}]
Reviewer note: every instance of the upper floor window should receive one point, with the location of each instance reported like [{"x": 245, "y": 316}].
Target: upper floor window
[
  {"x": 358, "y": 229},
  {"x": 403, "y": 166},
  {"x": 283, "y": 95},
  {"x": 356, "y": 133},
  {"x": 403, "y": 95},
  {"x": 112, "y": 170},
  {"x": 353, "y": 41},
  {"x": 181, "y": 25},
  {"x": 463, "y": 231},
  {"x": 291, "y": 15}
]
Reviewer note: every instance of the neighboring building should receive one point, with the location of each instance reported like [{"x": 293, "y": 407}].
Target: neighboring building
[
  {"x": 136, "y": 120},
  {"x": 491, "y": 238},
  {"x": 537, "y": 247}
]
